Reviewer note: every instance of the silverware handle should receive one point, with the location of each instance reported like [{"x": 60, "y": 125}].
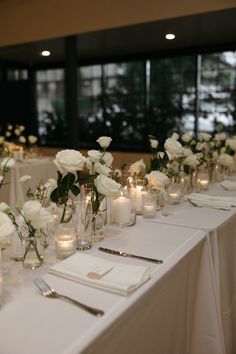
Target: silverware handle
[
  {"x": 87, "y": 308},
  {"x": 158, "y": 261}
]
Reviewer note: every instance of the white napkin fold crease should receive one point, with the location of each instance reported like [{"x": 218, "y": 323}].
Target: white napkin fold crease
[{"x": 114, "y": 277}]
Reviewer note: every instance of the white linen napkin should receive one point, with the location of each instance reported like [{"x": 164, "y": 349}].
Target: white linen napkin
[
  {"x": 228, "y": 185},
  {"x": 94, "y": 271},
  {"x": 216, "y": 202}
]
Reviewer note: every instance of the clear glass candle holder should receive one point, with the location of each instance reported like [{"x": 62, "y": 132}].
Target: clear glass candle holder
[
  {"x": 65, "y": 241},
  {"x": 203, "y": 180},
  {"x": 123, "y": 209},
  {"x": 174, "y": 193},
  {"x": 149, "y": 206}
]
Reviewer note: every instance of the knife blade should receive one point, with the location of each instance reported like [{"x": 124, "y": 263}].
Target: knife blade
[{"x": 125, "y": 254}]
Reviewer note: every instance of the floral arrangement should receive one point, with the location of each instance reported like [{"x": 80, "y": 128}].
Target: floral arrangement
[{"x": 6, "y": 164}]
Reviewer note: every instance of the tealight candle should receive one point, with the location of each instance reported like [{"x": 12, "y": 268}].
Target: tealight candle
[
  {"x": 149, "y": 211},
  {"x": 174, "y": 197},
  {"x": 204, "y": 184},
  {"x": 65, "y": 245},
  {"x": 139, "y": 199}
]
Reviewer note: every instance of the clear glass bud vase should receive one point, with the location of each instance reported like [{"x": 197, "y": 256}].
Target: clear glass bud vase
[{"x": 32, "y": 257}]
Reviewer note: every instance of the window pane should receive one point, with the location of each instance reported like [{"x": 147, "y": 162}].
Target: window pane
[
  {"x": 172, "y": 95},
  {"x": 217, "y": 91},
  {"x": 52, "y": 127}
]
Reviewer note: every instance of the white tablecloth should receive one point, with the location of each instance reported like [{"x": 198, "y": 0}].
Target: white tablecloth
[
  {"x": 173, "y": 312},
  {"x": 38, "y": 168},
  {"x": 221, "y": 230}
]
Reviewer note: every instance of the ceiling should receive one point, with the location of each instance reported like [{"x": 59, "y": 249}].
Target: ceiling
[{"x": 203, "y": 32}]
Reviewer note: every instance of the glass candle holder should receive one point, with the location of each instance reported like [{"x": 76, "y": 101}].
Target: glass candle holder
[
  {"x": 149, "y": 206},
  {"x": 123, "y": 210},
  {"x": 174, "y": 193},
  {"x": 203, "y": 181},
  {"x": 65, "y": 241},
  {"x": 140, "y": 191}
]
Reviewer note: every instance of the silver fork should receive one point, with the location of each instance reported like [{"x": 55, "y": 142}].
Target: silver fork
[{"x": 47, "y": 291}]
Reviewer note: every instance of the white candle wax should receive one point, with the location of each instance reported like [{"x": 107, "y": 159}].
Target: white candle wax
[
  {"x": 174, "y": 197},
  {"x": 139, "y": 199},
  {"x": 204, "y": 183},
  {"x": 121, "y": 210},
  {"x": 149, "y": 211},
  {"x": 65, "y": 245}
]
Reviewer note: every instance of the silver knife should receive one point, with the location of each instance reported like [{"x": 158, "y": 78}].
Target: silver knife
[{"x": 124, "y": 254}]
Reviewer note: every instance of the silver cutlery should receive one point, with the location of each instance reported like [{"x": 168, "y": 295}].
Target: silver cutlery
[
  {"x": 47, "y": 291},
  {"x": 124, "y": 254}
]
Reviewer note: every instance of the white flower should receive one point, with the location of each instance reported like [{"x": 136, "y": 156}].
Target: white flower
[
  {"x": 2, "y": 139},
  {"x": 186, "y": 137},
  {"x": 215, "y": 155},
  {"x": 187, "y": 151},
  {"x": 8, "y": 134},
  {"x": 205, "y": 136},
  {"x": 9, "y": 127},
  {"x": 94, "y": 155},
  {"x": 6, "y": 230},
  {"x": 49, "y": 186},
  {"x": 36, "y": 214},
  {"x": 226, "y": 160},
  {"x": 25, "y": 178},
  {"x": 173, "y": 148},
  {"x": 104, "y": 141},
  {"x": 157, "y": 180},
  {"x": 22, "y": 128},
  {"x": 69, "y": 161},
  {"x": 4, "y": 206},
  {"x": 192, "y": 161},
  {"x": 107, "y": 158},
  {"x": 117, "y": 173},
  {"x": 137, "y": 167},
  {"x": 32, "y": 139},
  {"x": 153, "y": 143},
  {"x": 174, "y": 136},
  {"x": 220, "y": 136},
  {"x": 101, "y": 169},
  {"x": 106, "y": 186},
  {"x": 1, "y": 179},
  {"x": 160, "y": 154},
  {"x": 200, "y": 146},
  {"x": 231, "y": 143},
  {"x": 17, "y": 131},
  {"x": 7, "y": 163},
  {"x": 22, "y": 139}
]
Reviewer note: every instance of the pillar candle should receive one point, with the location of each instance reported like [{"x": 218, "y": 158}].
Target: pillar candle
[{"x": 121, "y": 210}]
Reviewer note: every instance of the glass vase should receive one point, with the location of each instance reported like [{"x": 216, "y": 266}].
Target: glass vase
[{"x": 32, "y": 257}]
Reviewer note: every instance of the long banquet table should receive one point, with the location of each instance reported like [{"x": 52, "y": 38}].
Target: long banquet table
[{"x": 175, "y": 311}]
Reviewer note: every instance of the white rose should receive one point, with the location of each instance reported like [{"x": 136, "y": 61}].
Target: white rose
[
  {"x": 22, "y": 128},
  {"x": 187, "y": 152},
  {"x": 226, "y": 160},
  {"x": 25, "y": 178},
  {"x": 160, "y": 154},
  {"x": 205, "y": 136},
  {"x": 173, "y": 148},
  {"x": 106, "y": 186},
  {"x": 32, "y": 139},
  {"x": 137, "y": 167},
  {"x": 2, "y": 139},
  {"x": 8, "y": 134},
  {"x": 49, "y": 186},
  {"x": 186, "y": 137},
  {"x": 101, "y": 169},
  {"x": 22, "y": 139},
  {"x": 94, "y": 155},
  {"x": 104, "y": 141},
  {"x": 4, "y": 206},
  {"x": 69, "y": 161},
  {"x": 107, "y": 158},
  {"x": 7, "y": 163},
  {"x": 157, "y": 180},
  {"x": 153, "y": 143},
  {"x": 215, "y": 155},
  {"x": 10, "y": 127},
  {"x": 231, "y": 143},
  {"x": 36, "y": 214},
  {"x": 174, "y": 136},
  {"x": 220, "y": 136},
  {"x": 222, "y": 150},
  {"x": 17, "y": 131},
  {"x": 200, "y": 146},
  {"x": 191, "y": 161},
  {"x": 6, "y": 230}
]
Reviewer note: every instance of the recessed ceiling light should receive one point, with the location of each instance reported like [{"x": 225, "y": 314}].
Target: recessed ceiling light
[
  {"x": 170, "y": 36},
  {"x": 45, "y": 53}
]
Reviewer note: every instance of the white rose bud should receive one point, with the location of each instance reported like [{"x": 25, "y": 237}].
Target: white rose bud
[
  {"x": 192, "y": 161},
  {"x": 175, "y": 136},
  {"x": 205, "y": 136},
  {"x": 22, "y": 139},
  {"x": 25, "y": 178},
  {"x": 94, "y": 155},
  {"x": 17, "y": 132},
  {"x": 101, "y": 169},
  {"x": 153, "y": 143},
  {"x": 186, "y": 137},
  {"x": 157, "y": 180},
  {"x": 32, "y": 139},
  {"x": 137, "y": 168},
  {"x": 107, "y": 158},
  {"x": 104, "y": 141},
  {"x": 8, "y": 134},
  {"x": 187, "y": 152},
  {"x": 173, "y": 148},
  {"x": 7, "y": 163}
]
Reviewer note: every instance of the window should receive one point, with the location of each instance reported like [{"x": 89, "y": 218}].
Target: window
[{"x": 52, "y": 126}]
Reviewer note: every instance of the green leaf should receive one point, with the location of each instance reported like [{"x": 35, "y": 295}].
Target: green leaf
[
  {"x": 54, "y": 196},
  {"x": 68, "y": 181},
  {"x": 75, "y": 189}
]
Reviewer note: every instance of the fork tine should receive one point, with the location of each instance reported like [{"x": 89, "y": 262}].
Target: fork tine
[
  {"x": 45, "y": 285},
  {"x": 36, "y": 282}
]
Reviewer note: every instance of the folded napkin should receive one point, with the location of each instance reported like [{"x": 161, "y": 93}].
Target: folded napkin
[
  {"x": 94, "y": 271},
  {"x": 228, "y": 185},
  {"x": 216, "y": 202}
]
